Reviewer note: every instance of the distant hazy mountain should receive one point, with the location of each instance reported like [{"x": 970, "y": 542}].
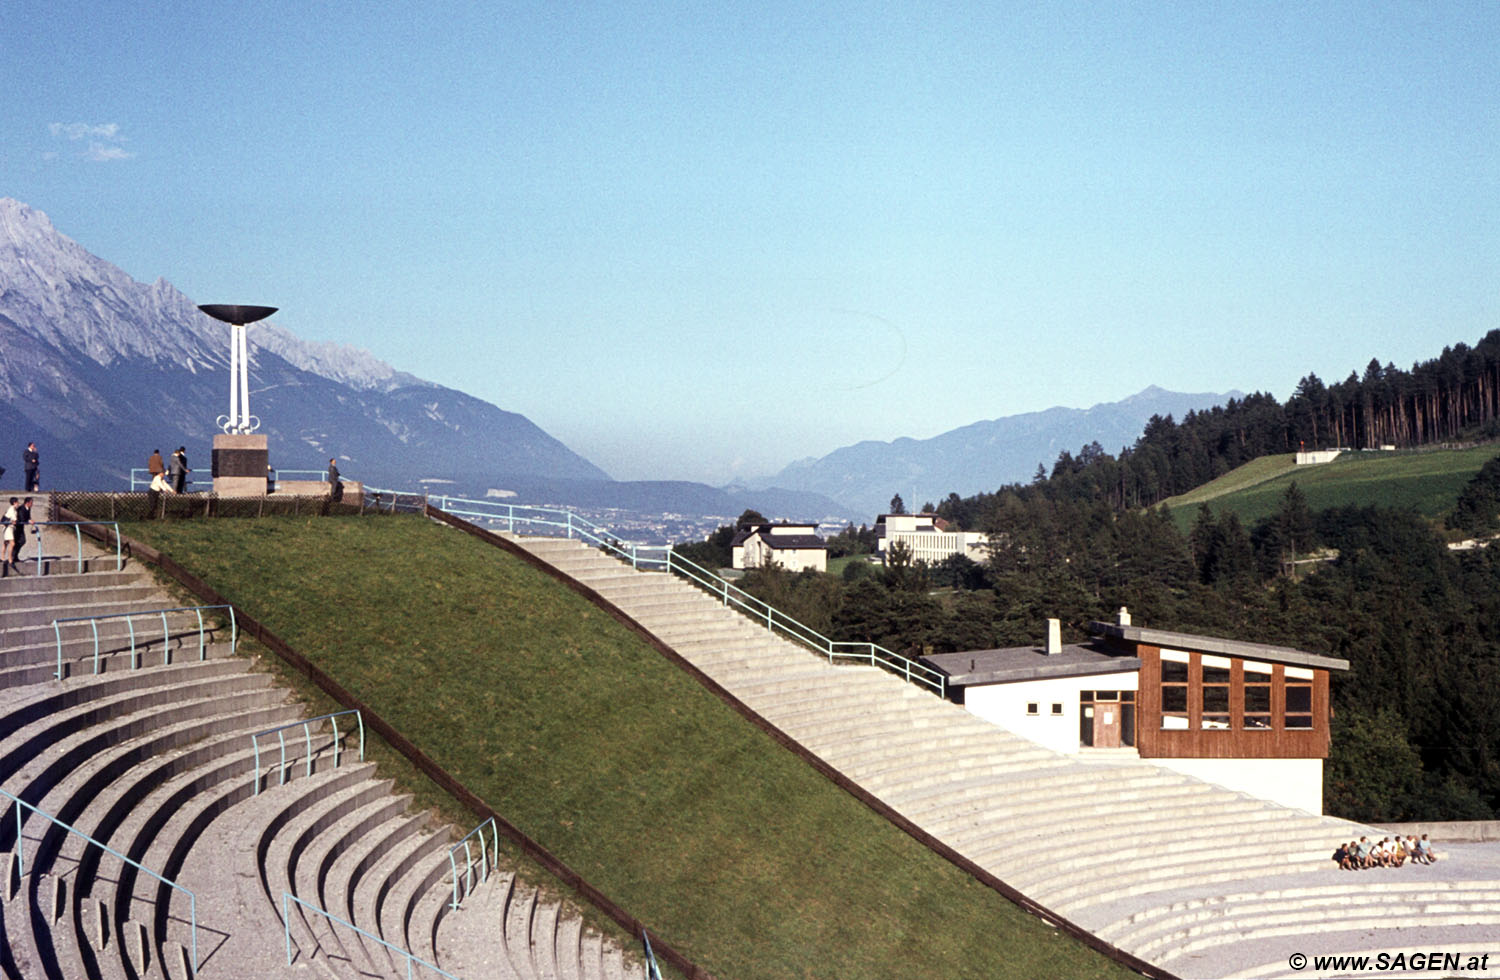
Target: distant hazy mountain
[
  {"x": 100, "y": 369},
  {"x": 979, "y": 457}
]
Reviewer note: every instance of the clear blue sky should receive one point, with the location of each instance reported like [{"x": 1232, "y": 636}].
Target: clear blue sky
[{"x": 704, "y": 240}]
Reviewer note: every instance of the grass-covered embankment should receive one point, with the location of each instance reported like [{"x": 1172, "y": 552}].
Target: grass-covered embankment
[
  {"x": 731, "y": 847},
  {"x": 1426, "y": 481}
]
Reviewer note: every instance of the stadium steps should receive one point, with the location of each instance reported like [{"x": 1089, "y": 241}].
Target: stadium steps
[
  {"x": 157, "y": 763},
  {"x": 1100, "y": 843}
]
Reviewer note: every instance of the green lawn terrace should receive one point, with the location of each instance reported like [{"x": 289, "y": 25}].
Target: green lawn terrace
[{"x": 1427, "y": 481}]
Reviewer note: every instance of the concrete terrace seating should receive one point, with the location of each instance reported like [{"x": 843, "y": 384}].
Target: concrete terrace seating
[
  {"x": 1199, "y": 879},
  {"x": 157, "y": 763}
]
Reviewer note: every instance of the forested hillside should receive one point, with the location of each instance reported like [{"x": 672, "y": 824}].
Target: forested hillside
[
  {"x": 1417, "y": 717},
  {"x": 1454, "y": 395}
]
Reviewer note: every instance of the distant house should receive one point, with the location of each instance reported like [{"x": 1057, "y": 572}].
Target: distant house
[
  {"x": 794, "y": 547},
  {"x": 927, "y": 536},
  {"x": 1248, "y": 716}
]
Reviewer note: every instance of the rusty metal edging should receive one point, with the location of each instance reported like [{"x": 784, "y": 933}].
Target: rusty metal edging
[
  {"x": 250, "y": 626},
  {"x": 912, "y": 829}
]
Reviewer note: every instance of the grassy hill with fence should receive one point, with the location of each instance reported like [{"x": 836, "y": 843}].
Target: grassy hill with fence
[
  {"x": 1427, "y": 481},
  {"x": 617, "y": 761}
]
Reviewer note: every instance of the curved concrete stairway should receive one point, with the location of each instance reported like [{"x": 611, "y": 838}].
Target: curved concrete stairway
[
  {"x": 157, "y": 763},
  {"x": 1199, "y": 879}
]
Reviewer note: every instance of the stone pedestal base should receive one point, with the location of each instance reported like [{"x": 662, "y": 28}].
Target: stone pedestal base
[{"x": 240, "y": 465}]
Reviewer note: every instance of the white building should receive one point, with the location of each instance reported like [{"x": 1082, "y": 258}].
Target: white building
[
  {"x": 927, "y": 537},
  {"x": 1248, "y": 716},
  {"x": 795, "y": 547}
]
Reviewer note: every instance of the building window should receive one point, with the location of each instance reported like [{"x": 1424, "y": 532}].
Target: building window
[
  {"x": 1031, "y": 707},
  {"x": 1086, "y": 722},
  {"x": 1174, "y": 689},
  {"x": 1257, "y": 716},
  {"x": 1298, "y": 698},
  {"x": 1056, "y": 708},
  {"x": 1215, "y": 702}
]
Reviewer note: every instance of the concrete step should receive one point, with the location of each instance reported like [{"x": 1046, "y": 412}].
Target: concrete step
[{"x": 41, "y": 608}]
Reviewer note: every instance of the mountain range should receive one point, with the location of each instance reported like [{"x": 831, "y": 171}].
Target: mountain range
[
  {"x": 980, "y": 457},
  {"x": 100, "y": 369}
]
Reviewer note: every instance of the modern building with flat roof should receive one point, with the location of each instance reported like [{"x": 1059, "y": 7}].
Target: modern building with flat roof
[{"x": 1249, "y": 716}]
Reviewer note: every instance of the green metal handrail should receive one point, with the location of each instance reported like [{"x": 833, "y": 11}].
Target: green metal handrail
[
  {"x": 670, "y": 561},
  {"x": 280, "y": 732},
  {"x": 21, "y": 861},
  {"x": 166, "y": 633}
]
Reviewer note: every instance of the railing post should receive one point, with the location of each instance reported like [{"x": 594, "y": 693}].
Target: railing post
[
  {"x": 307, "y": 733},
  {"x": 286, "y": 923},
  {"x": 166, "y": 640},
  {"x": 130, "y": 623},
  {"x": 57, "y": 631},
  {"x": 255, "y": 745},
  {"x": 453, "y": 867},
  {"x": 20, "y": 845},
  {"x": 193, "y": 911},
  {"x": 334, "y": 721},
  {"x": 201, "y": 653},
  {"x": 281, "y": 737}
]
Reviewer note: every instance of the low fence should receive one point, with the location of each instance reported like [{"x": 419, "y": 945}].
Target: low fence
[
  {"x": 140, "y": 479},
  {"x": 152, "y": 506}
]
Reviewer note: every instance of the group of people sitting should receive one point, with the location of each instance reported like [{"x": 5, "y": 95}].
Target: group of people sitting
[{"x": 1389, "y": 852}]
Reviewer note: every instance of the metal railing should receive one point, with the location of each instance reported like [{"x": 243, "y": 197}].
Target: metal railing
[
  {"x": 140, "y": 479},
  {"x": 488, "y": 855},
  {"x": 286, "y": 921},
  {"x": 166, "y": 633},
  {"x": 280, "y": 732},
  {"x": 21, "y": 862},
  {"x": 663, "y": 558},
  {"x": 77, "y": 526}
]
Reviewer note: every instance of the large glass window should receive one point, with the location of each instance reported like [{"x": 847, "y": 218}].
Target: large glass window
[
  {"x": 1257, "y": 716},
  {"x": 1298, "y": 698},
  {"x": 1174, "y": 689},
  {"x": 1215, "y": 705}
]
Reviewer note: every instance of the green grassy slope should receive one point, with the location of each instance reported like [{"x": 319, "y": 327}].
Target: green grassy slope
[
  {"x": 1427, "y": 481},
  {"x": 695, "y": 821}
]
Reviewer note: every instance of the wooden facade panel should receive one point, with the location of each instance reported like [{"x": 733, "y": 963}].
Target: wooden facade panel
[{"x": 1236, "y": 742}]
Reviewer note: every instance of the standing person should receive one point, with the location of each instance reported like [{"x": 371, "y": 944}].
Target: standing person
[
  {"x": 336, "y": 486},
  {"x": 31, "y": 461},
  {"x": 154, "y": 466},
  {"x": 23, "y": 517},
  {"x": 8, "y": 521},
  {"x": 179, "y": 469}
]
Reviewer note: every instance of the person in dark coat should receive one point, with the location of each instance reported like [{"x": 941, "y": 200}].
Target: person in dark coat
[
  {"x": 336, "y": 486},
  {"x": 179, "y": 469},
  {"x": 31, "y": 461}
]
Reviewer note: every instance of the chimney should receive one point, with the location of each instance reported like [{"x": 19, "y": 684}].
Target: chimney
[
  {"x": 1123, "y": 619},
  {"x": 1054, "y": 636}
]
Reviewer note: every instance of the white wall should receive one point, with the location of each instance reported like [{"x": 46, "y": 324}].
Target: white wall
[
  {"x": 1005, "y": 705},
  {"x": 1290, "y": 782}
]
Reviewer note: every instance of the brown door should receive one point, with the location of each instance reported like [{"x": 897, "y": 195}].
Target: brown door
[{"x": 1107, "y": 725}]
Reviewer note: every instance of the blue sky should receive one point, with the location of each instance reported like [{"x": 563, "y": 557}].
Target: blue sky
[{"x": 700, "y": 241}]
